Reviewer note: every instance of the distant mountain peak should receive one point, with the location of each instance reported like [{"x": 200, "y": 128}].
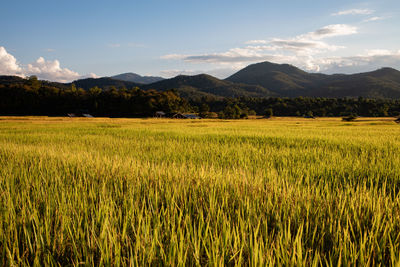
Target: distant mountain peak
[
  {"x": 387, "y": 70},
  {"x": 136, "y": 78},
  {"x": 273, "y": 67}
]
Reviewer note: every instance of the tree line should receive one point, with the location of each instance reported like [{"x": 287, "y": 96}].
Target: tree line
[
  {"x": 299, "y": 106},
  {"x": 34, "y": 97}
]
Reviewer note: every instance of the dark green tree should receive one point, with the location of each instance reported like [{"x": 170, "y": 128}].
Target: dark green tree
[{"x": 268, "y": 113}]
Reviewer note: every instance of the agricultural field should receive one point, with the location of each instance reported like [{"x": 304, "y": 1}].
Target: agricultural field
[{"x": 282, "y": 191}]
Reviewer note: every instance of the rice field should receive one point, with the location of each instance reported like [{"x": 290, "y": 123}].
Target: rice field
[{"x": 282, "y": 191}]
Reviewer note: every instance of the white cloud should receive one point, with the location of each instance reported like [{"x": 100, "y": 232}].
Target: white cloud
[
  {"x": 303, "y": 46},
  {"x": 253, "y": 42},
  {"x": 43, "y": 69},
  {"x": 378, "y": 52},
  {"x": 50, "y": 70},
  {"x": 311, "y": 43},
  {"x": 8, "y": 63},
  {"x": 330, "y": 31},
  {"x": 237, "y": 57},
  {"x": 354, "y": 12},
  {"x": 373, "y": 19},
  {"x": 261, "y": 47},
  {"x": 174, "y": 56}
]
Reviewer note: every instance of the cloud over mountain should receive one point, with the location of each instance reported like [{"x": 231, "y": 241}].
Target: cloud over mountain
[{"x": 370, "y": 59}]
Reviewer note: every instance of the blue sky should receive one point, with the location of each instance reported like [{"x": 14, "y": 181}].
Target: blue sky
[{"x": 67, "y": 40}]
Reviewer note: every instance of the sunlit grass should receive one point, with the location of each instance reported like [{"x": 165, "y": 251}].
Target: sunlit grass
[{"x": 205, "y": 192}]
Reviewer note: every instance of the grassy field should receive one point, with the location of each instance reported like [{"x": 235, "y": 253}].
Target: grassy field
[{"x": 175, "y": 192}]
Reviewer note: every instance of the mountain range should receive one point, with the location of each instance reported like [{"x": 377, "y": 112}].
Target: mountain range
[
  {"x": 289, "y": 81},
  {"x": 264, "y": 79},
  {"x": 268, "y": 79}
]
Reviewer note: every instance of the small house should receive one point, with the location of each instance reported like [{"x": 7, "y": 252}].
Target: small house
[{"x": 159, "y": 114}]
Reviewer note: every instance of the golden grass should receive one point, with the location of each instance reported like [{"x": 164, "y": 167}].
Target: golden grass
[{"x": 282, "y": 191}]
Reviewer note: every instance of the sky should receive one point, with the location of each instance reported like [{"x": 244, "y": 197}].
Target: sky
[{"x": 68, "y": 40}]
